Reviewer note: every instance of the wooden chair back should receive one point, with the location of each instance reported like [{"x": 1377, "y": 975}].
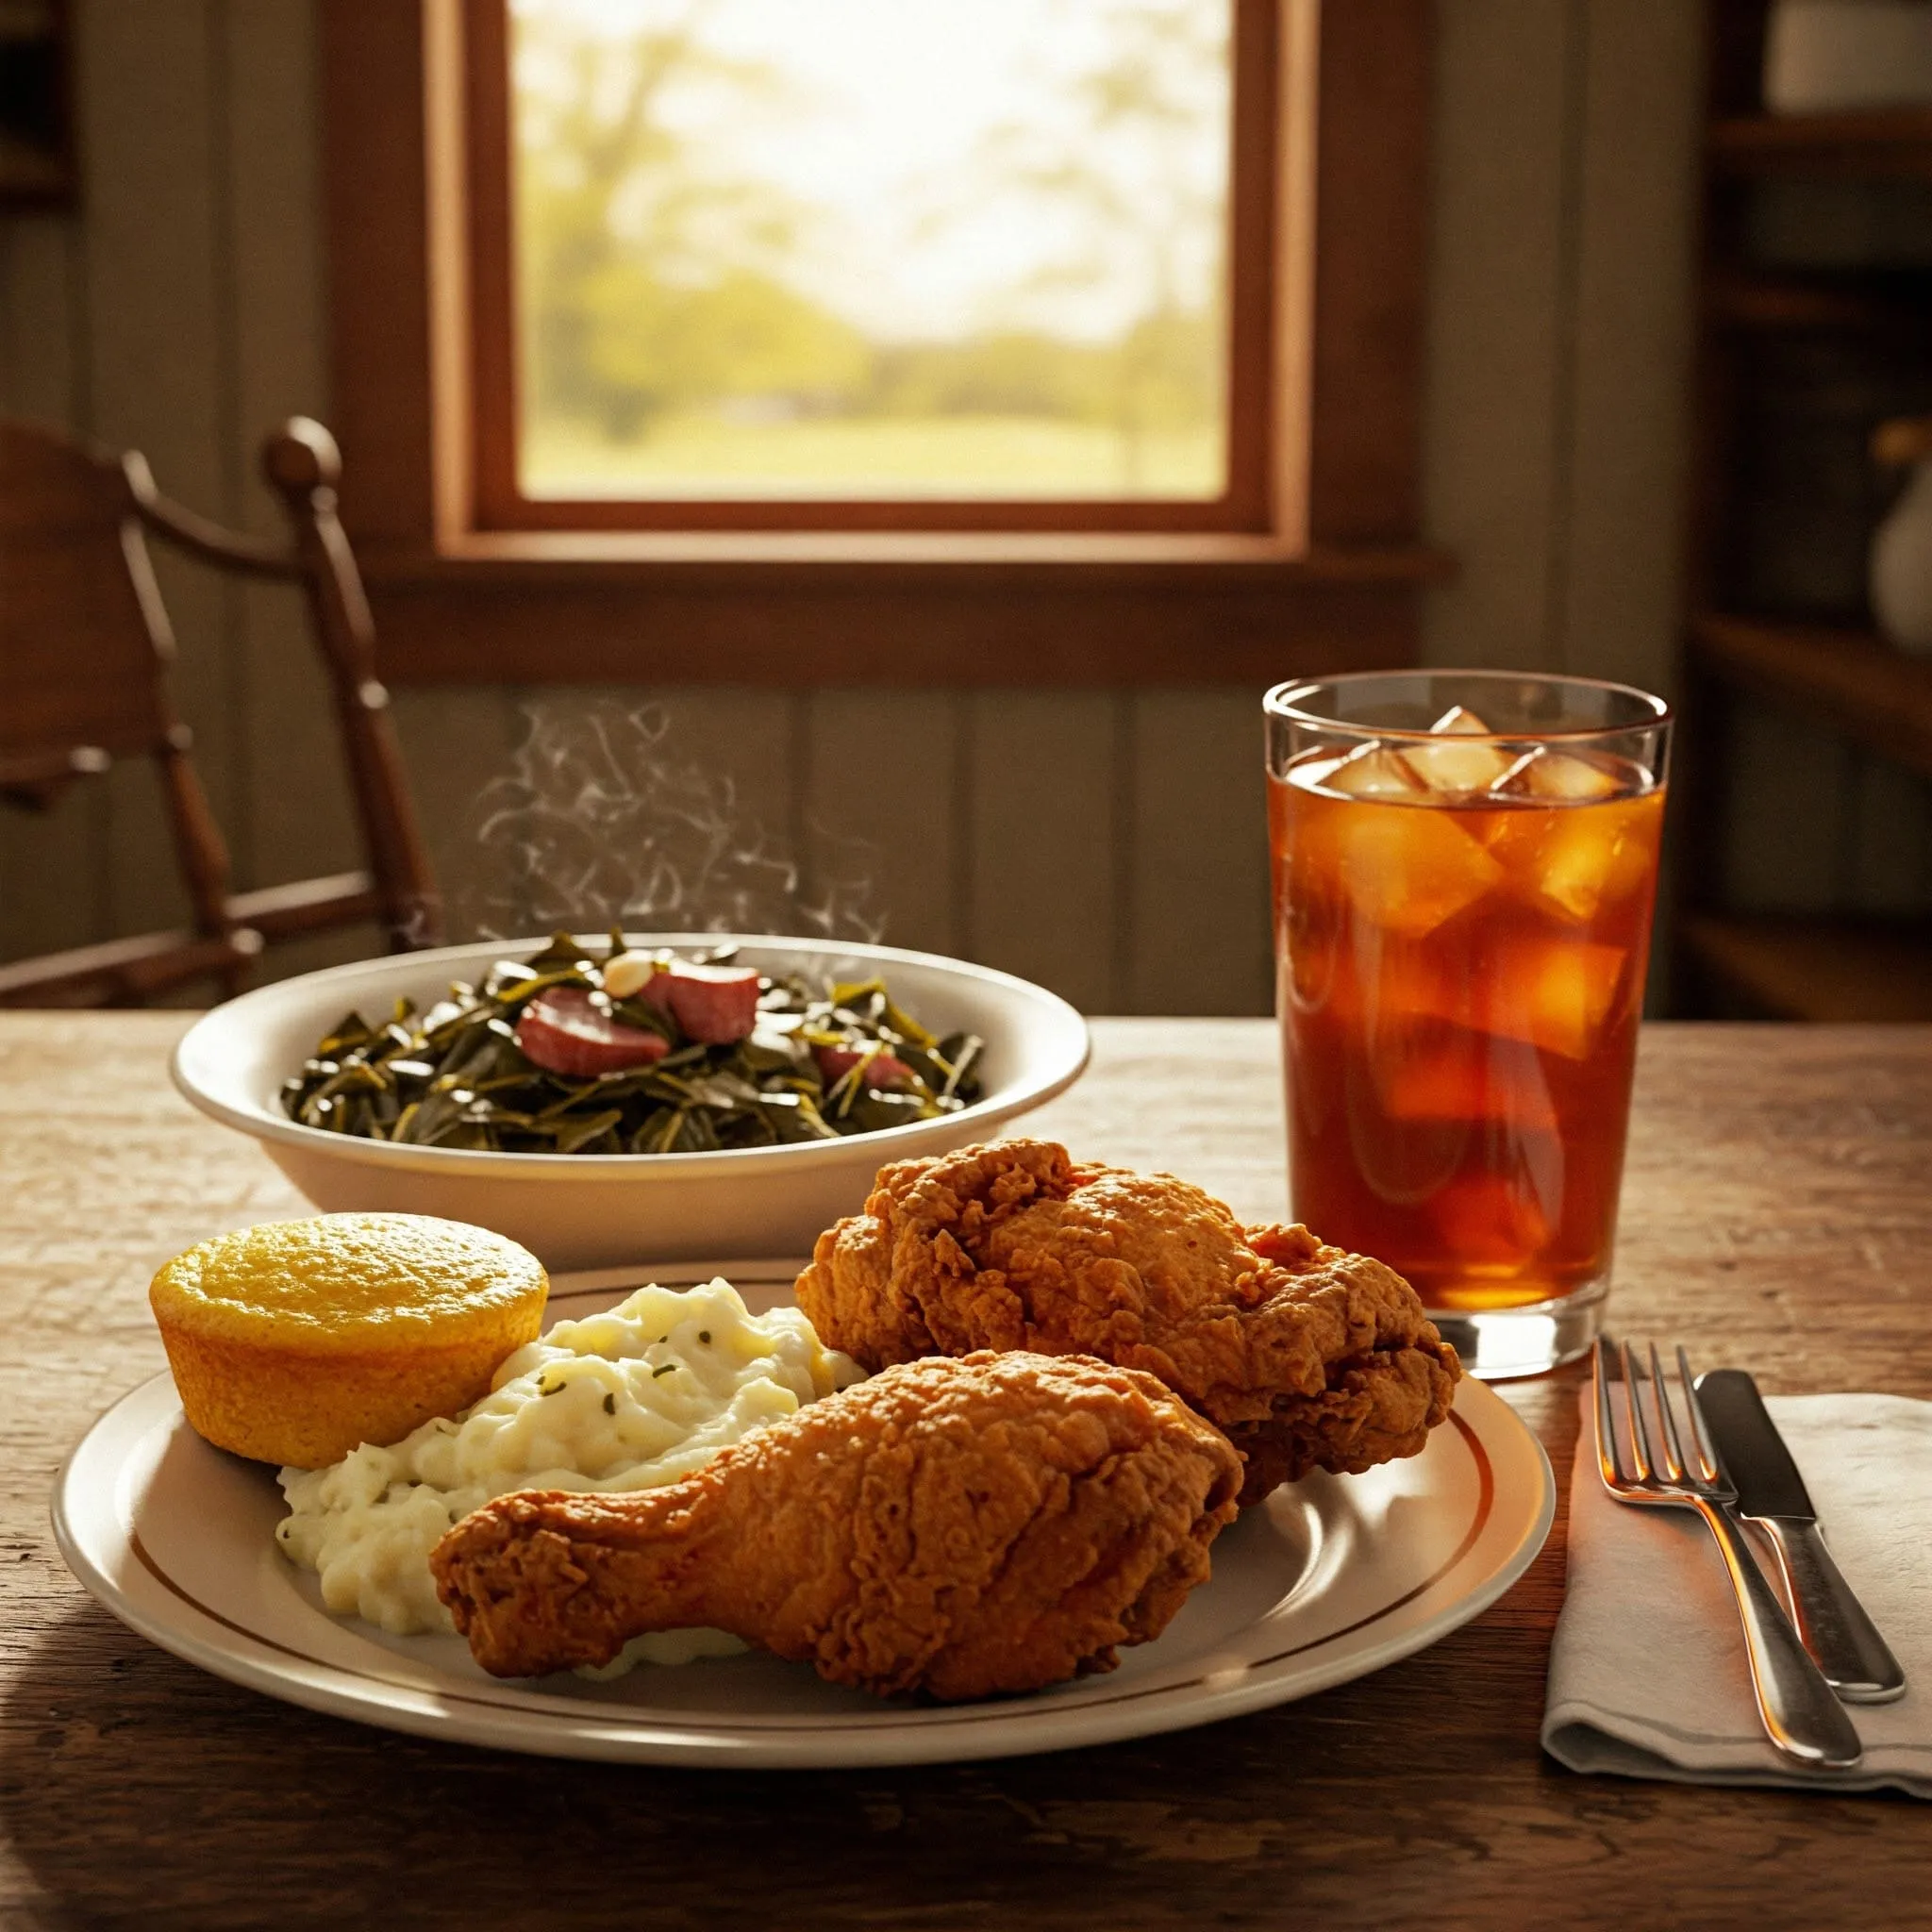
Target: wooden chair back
[{"x": 85, "y": 651}]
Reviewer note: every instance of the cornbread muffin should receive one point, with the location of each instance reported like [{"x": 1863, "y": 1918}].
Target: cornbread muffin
[{"x": 298, "y": 1340}]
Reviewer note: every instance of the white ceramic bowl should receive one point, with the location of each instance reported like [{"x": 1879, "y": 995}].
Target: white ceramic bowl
[{"x": 605, "y": 1210}]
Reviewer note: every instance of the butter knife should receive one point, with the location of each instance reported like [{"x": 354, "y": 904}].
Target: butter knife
[{"x": 1832, "y": 1624}]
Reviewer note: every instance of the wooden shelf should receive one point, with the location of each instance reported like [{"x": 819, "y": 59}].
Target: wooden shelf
[
  {"x": 1866, "y": 304},
  {"x": 1863, "y": 312},
  {"x": 1878, "y": 142},
  {"x": 1848, "y": 679},
  {"x": 1818, "y": 969}
]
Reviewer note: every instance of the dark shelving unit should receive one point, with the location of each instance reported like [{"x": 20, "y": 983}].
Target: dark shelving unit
[{"x": 1829, "y": 667}]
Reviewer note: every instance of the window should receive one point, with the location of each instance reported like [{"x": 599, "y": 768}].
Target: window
[
  {"x": 794, "y": 263},
  {"x": 808, "y": 339}
]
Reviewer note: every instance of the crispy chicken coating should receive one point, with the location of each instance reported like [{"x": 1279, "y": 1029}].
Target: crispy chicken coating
[
  {"x": 957, "y": 1528},
  {"x": 1307, "y": 1356}
]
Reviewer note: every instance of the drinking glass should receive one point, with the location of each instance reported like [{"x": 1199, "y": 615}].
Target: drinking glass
[{"x": 1464, "y": 871}]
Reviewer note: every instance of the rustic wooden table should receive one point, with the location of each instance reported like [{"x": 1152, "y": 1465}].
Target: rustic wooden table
[{"x": 1778, "y": 1211}]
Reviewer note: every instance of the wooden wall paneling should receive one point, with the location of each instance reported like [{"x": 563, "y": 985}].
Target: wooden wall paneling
[
  {"x": 40, "y": 323},
  {"x": 155, "y": 281},
  {"x": 1506, "y": 78},
  {"x": 1787, "y": 812},
  {"x": 1197, "y": 937},
  {"x": 50, "y": 862},
  {"x": 666, "y": 808},
  {"x": 1889, "y": 867},
  {"x": 293, "y": 817},
  {"x": 1629, "y": 368},
  {"x": 742, "y": 752},
  {"x": 1043, "y": 839},
  {"x": 1515, "y": 95},
  {"x": 1370, "y": 243},
  {"x": 372, "y": 54},
  {"x": 881, "y": 794},
  {"x": 745, "y": 740},
  {"x": 457, "y": 743}
]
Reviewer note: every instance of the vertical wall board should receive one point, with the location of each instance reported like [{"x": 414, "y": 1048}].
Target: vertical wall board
[
  {"x": 733, "y": 752},
  {"x": 1199, "y": 938},
  {"x": 1888, "y": 868},
  {"x": 38, "y": 326},
  {"x": 664, "y": 810},
  {"x": 1041, "y": 836},
  {"x": 1630, "y": 370},
  {"x": 293, "y": 817},
  {"x": 48, "y": 874},
  {"x": 1787, "y": 813},
  {"x": 456, "y": 744},
  {"x": 49, "y": 884},
  {"x": 742, "y": 742},
  {"x": 882, "y": 818},
  {"x": 1498, "y": 302},
  {"x": 156, "y": 280},
  {"x": 275, "y": 220}
]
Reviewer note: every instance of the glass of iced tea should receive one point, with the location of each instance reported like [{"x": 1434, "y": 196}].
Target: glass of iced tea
[{"x": 1464, "y": 868}]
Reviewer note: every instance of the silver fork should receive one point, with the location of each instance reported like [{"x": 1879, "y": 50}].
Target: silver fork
[{"x": 1801, "y": 1717}]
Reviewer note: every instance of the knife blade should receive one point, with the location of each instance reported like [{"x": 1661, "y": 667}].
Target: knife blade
[{"x": 1832, "y": 1623}]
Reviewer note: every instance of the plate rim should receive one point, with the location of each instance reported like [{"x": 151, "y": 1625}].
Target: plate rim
[{"x": 948, "y": 1734}]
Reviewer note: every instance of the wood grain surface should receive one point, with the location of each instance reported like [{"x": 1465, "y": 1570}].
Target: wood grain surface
[{"x": 1778, "y": 1213}]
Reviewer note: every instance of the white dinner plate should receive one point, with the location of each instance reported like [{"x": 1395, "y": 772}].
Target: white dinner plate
[{"x": 1333, "y": 1577}]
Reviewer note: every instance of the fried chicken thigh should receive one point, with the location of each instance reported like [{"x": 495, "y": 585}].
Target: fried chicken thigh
[
  {"x": 1307, "y": 1356},
  {"x": 958, "y": 1527}
]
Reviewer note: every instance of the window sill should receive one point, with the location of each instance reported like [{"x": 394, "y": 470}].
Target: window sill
[
  {"x": 938, "y": 610},
  {"x": 646, "y": 556}
]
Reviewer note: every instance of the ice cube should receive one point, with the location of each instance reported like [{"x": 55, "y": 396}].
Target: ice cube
[
  {"x": 1372, "y": 771},
  {"x": 1492, "y": 1219},
  {"x": 1459, "y": 770},
  {"x": 1409, "y": 870},
  {"x": 1457, "y": 767},
  {"x": 1546, "y": 773},
  {"x": 1559, "y": 996},
  {"x": 1581, "y": 858},
  {"x": 1460, "y": 1081}
]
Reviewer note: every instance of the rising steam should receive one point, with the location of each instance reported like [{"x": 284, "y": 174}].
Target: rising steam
[{"x": 598, "y": 823}]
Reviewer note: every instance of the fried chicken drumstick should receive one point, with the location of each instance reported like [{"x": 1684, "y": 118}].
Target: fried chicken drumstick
[
  {"x": 1307, "y": 1356},
  {"x": 958, "y": 1527}
]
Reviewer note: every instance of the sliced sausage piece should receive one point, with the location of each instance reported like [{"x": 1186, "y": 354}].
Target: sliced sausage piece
[
  {"x": 716, "y": 1004},
  {"x": 564, "y": 1031},
  {"x": 887, "y": 1074}
]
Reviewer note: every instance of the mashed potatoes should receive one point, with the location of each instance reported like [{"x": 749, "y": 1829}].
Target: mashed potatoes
[{"x": 640, "y": 1395}]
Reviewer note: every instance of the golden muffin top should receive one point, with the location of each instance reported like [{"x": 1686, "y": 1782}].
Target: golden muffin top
[{"x": 350, "y": 1282}]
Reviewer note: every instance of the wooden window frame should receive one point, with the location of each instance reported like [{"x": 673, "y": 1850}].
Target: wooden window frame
[
  {"x": 497, "y": 496},
  {"x": 1317, "y": 568}
]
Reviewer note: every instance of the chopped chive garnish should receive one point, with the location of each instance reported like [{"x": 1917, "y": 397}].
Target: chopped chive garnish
[
  {"x": 611, "y": 1404},
  {"x": 664, "y": 1371}
]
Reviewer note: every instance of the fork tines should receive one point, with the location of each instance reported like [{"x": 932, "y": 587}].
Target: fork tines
[{"x": 1655, "y": 1452}]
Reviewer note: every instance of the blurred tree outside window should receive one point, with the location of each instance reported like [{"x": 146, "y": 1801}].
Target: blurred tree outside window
[{"x": 872, "y": 249}]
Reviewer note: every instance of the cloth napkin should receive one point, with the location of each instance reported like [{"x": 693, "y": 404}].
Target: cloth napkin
[{"x": 1648, "y": 1677}]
